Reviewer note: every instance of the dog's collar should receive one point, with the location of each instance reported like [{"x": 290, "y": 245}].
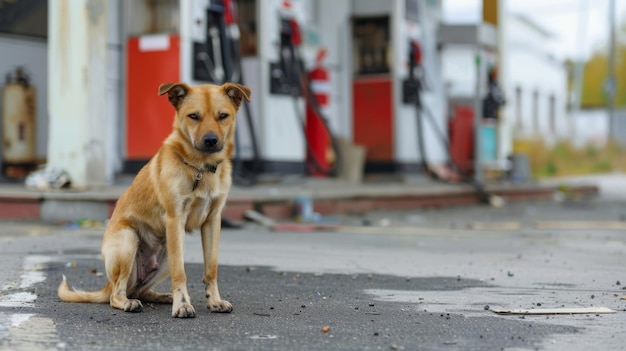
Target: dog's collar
[{"x": 199, "y": 171}]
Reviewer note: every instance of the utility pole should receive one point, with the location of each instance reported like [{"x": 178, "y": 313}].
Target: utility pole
[
  {"x": 579, "y": 63},
  {"x": 611, "y": 84}
]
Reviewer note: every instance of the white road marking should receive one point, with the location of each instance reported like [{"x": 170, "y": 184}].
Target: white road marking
[{"x": 16, "y": 329}]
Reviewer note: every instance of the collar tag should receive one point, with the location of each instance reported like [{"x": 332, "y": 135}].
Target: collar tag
[
  {"x": 199, "y": 171},
  {"x": 196, "y": 180}
]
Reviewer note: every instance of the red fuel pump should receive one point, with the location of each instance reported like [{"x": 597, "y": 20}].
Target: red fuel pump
[
  {"x": 290, "y": 77},
  {"x": 315, "y": 130}
]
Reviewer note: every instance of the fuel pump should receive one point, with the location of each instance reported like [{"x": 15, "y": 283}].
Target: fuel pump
[
  {"x": 411, "y": 94},
  {"x": 412, "y": 90},
  {"x": 218, "y": 60},
  {"x": 289, "y": 77},
  {"x": 285, "y": 74},
  {"x": 213, "y": 58}
]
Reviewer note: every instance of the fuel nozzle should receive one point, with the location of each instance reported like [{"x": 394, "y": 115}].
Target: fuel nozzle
[
  {"x": 290, "y": 30},
  {"x": 415, "y": 58},
  {"x": 412, "y": 85}
]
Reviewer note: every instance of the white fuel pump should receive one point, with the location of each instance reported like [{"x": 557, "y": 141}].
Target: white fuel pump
[{"x": 273, "y": 127}]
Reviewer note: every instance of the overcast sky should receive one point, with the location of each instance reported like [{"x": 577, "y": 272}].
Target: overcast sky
[{"x": 563, "y": 18}]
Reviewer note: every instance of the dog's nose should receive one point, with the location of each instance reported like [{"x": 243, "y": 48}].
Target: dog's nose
[{"x": 210, "y": 139}]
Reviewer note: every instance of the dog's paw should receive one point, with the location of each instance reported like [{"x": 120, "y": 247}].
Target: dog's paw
[
  {"x": 133, "y": 305},
  {"x": 184, "y": 310},
  {"x": 221, "y": 306}
]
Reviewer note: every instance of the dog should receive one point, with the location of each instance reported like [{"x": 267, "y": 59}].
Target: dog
[{"x": 181, "y": 189}]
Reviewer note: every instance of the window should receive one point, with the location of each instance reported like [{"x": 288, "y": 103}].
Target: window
[
  {"x": 25, "y": 17},
  {"x": 371, "y": 45}
]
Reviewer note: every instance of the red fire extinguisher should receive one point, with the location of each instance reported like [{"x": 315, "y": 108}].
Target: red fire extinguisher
[{"x": 316, "y": 133}]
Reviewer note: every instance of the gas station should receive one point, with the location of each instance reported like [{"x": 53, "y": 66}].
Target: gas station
[
  {"x": 261, "y": 43},
  {"x": 326, "y": 77}
]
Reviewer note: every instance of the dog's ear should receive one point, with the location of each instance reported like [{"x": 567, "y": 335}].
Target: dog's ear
[
  {"x": 176, "y": 92},
  {"x": 236, "y": 93}
]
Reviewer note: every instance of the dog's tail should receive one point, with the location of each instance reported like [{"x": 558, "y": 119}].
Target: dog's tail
[{"x": 69, "y": 295}]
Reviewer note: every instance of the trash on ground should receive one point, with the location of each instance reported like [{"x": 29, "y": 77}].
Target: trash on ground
[
  {"x": 544, "y": 311},
  {"x": 259, "y": 218},
  {"x": 325, "y": 329},
  {"x": 303, "y": 227},
  {"x": 48, "y": 178},
  {"x": 303, "y": 208},
  {"x": 82, "y": 223},
  {"x": 230, "y": 224}
]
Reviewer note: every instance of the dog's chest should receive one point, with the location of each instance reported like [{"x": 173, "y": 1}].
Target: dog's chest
[{"x": 197, "y": 209}]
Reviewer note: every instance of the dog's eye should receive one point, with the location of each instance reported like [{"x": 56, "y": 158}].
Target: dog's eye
[
  {"x": 223, "y": 116},
  {"x": 193, "y": 116}
]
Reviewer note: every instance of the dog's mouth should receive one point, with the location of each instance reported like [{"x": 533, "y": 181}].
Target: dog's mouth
[{"x": 210, "y": 149}]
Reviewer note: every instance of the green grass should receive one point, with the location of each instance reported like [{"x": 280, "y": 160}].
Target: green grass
[{"x": 563, "y": 159}]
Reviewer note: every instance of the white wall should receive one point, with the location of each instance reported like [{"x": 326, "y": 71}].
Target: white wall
[
  {"x": 533, "y": 71},
  {"x": 459, "y": 70},
  {"x": 590, "y": 127},
  {"x": 32, "y": 55}
]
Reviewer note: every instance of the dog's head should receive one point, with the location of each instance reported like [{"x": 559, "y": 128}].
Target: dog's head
[{"x": 205, "y": 114}]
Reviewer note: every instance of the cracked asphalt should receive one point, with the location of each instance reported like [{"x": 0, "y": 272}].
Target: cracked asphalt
[{"x": 410, "y": 280}]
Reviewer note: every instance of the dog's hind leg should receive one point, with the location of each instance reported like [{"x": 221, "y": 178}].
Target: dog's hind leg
[
  {"x": 149, "y": 295},
  {"x": 155, "y": 297},
  {"x": 119, "y": 251},
  {"x": 153, "y": 270}
]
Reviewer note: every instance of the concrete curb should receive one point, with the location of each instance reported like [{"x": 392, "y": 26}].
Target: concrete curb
[{"x": 276, "y": 201}]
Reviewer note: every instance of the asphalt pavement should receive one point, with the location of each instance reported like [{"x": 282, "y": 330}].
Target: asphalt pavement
[{"x": 426, "y": 279}]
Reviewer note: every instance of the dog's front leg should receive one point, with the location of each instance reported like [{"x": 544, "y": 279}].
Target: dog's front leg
[
  {"x": 181, "y": 304},
  {"x": 210, "y": 242}
]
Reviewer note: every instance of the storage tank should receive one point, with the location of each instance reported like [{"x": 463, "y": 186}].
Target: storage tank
[{"x": 18, "y": 125}]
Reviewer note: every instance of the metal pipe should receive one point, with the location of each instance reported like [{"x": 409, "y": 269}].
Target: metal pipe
[
  {"x": 611, "y": 84},
  {"x": 478, "y": 119}
]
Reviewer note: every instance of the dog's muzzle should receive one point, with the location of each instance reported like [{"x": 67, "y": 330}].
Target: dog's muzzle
[{"x": 210, "y": 143}]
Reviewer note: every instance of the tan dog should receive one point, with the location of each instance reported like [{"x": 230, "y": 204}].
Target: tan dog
[{"x": 183, "y": 188}]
